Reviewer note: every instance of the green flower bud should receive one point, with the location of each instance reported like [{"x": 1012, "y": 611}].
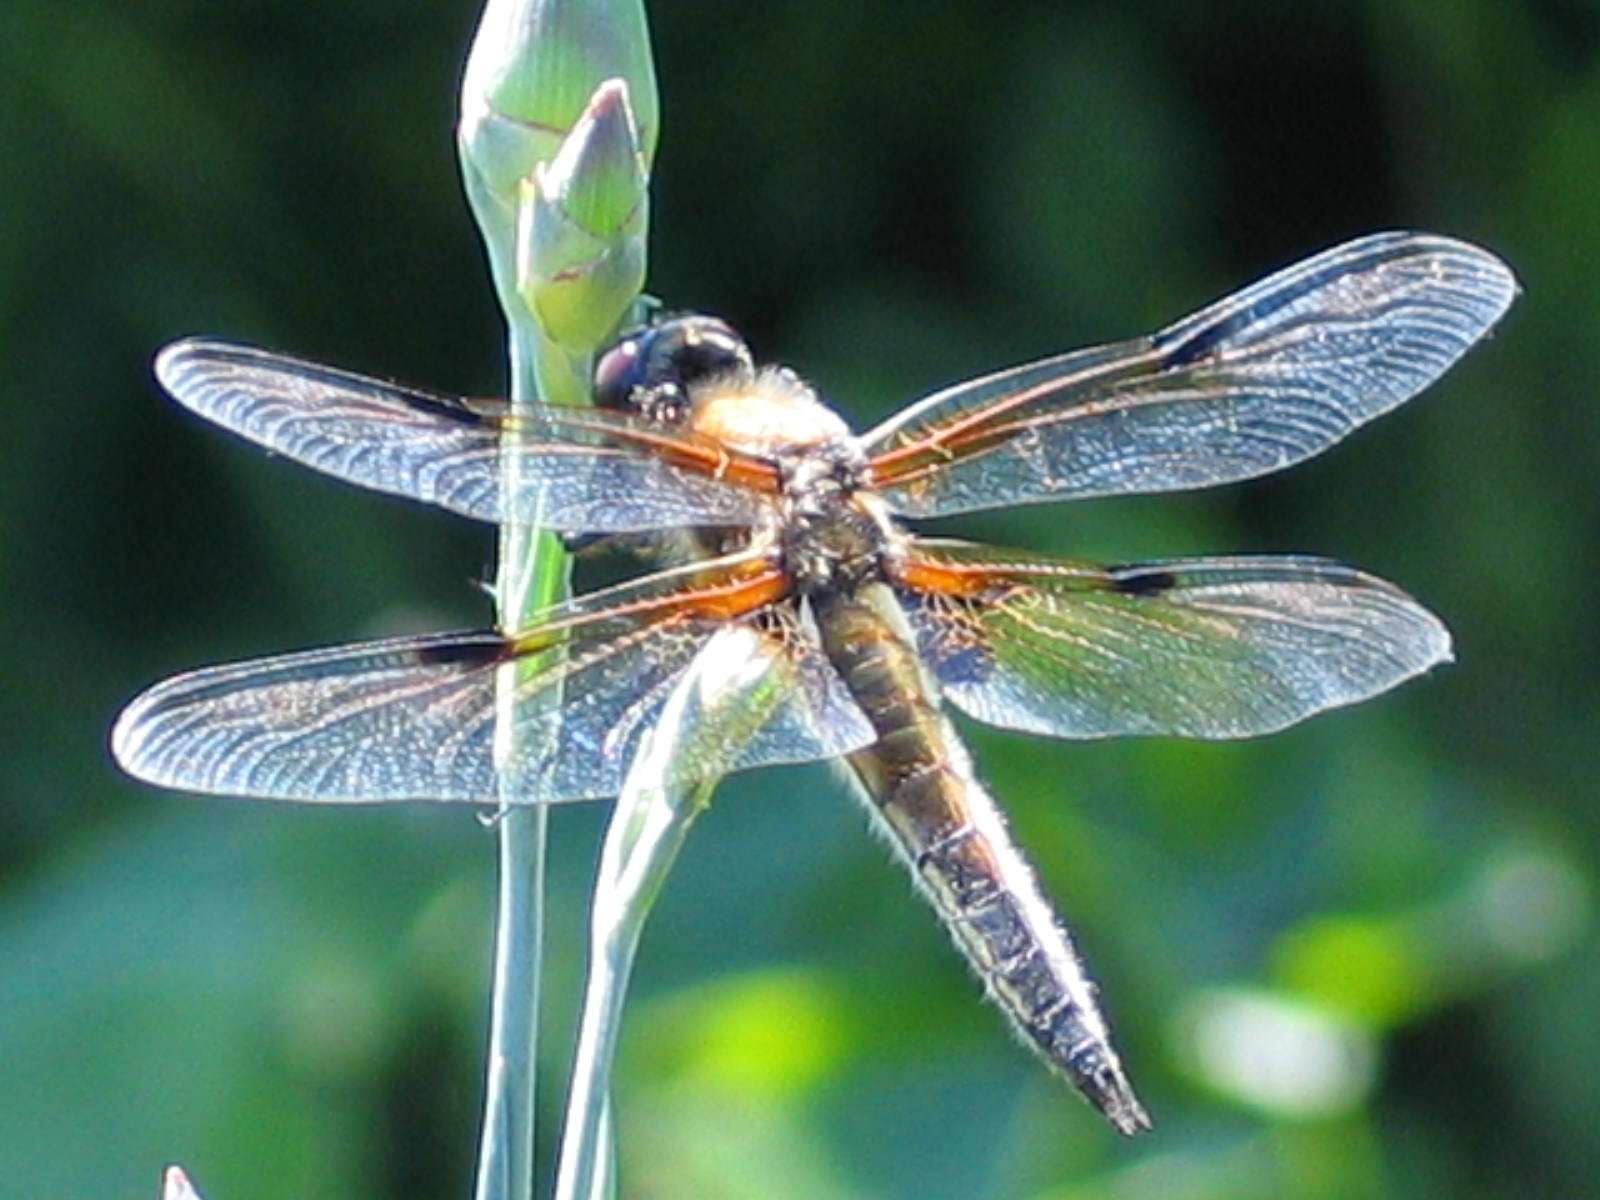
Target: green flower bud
[
  {"x": 535, "y": 65},
  {"x": 581, "y": 223}
]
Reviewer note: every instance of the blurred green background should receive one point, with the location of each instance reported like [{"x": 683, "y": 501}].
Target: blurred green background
[{"x": 1355, "y": 959}]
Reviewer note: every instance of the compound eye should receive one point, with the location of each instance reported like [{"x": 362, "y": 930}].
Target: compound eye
[{"x": 619, "y": 371}]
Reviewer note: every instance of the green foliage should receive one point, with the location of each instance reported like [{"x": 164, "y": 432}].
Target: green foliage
[{"x": 291, "y": 1002}]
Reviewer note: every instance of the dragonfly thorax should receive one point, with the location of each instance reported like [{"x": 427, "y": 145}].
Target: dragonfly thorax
[{"x": 834, "y": 533}]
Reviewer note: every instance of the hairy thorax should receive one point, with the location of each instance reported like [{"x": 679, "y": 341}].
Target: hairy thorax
[{"x": 833, "y": 532}]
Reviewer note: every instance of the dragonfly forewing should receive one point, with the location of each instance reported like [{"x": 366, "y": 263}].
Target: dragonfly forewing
[
  {"x": 1253, "y": 383},
  {"x": 579, "y": 471}
]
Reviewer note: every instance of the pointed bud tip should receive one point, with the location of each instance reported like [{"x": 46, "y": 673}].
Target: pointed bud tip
[
  {"x": 598, "y": 177},
  {"x": 606, "y": 132},
  {"x": 609, "y": 97}
]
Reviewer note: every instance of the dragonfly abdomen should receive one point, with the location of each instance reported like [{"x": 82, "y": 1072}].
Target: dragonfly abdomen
[{"x": 925, "y": 795}]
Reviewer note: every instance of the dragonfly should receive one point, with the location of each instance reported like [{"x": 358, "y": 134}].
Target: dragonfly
[{"x": 776, "y": 518}]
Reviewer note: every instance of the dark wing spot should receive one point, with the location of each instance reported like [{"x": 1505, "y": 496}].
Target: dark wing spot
[
  {"x": 1204, "y": 341},
  {"x": 479, "y": 650},
  {"x": 450, "y": 410},
  {"x": 1142, "y": 581},
  {"x": 1184, "y": 346}
]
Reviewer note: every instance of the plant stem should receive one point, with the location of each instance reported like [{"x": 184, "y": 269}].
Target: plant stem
[
  {"x": 557, "y": 174},
  {"x": 584, "y": 1169},
  {"x": 533, "y": 574}
]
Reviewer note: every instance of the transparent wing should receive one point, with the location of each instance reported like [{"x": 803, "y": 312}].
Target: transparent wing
[
  {"x": 1203, "y": 647},
  {"x": 575, "y": 470},
  {"x": 415, "y": 718},
  {"x": 1260, "y": 380}
]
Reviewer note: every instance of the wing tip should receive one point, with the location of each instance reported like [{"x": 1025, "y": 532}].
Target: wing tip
[
  {"x": 1441, "y": 645},
  {"x": 139, "y": 722},
  {"x": 175, "y": 363},
  {"x": 1425, "y": 638},
  {"x": 1490, "y": 276},
  {"x": 169, "y": 363},
  {"x": 1493, "y": 277},
  {"x": 128, "y": 734}
]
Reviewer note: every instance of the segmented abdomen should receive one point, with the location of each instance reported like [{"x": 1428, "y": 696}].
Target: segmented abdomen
[{"x": 924, "y": 793}]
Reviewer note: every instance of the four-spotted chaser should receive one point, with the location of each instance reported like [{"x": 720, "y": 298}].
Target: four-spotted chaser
[{"x": 785, "y": 522}]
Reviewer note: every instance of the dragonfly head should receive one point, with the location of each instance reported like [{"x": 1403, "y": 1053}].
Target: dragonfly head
[{"x": 650, "y": 371}]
